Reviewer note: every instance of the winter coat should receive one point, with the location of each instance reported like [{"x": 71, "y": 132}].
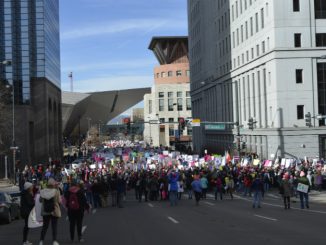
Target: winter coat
[
  {"x": 47, "y": 194},
  {"x": 173, "y": 181},
  {"x": 26, "y": 203},
  {"x": 83, "y": 205},
  {"x": 196, "y": 186},
  {"x": 257, "y": 185},
  {"x": 286, "y": 188}
]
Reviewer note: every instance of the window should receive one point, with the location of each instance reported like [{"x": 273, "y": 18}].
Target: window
[
  {"x": 162, "y": 120},
  {"x": 263, "y": 47},
  {"x": 252, "y": 53},
  {"x": 257, "y": 50},
  {"x": 179, "y": 94},
  {"x": 246, "y": 28},
  {"x": 161, "y": 104},
  {"x": 179, "y": 104},
  {"x": 321, "y": 40},
  {"x": 179, "y": 73},
  {"x": 170, "y": 73},
  {"x": 321, "y": 78},
  {"x": 161, "y": 94},
  {"x": 163, "y": 74},
  {"x": 171, "y": 120},
  {"x": 300, "y": 112},
  {"x": 149, "y": 106},
  {"x": 170, "y": 104},
  {"x": 298, "y": 76},
  {"x": 297, "y": 40},
  {"x": 187, "y": 73},
  {"x": 257, "y": 28},
  {"x": 296, "y": 5},
  {"x": 170, "y": 94},
  {"x": 320, "y": 9},
  {"x": 262, "y": 18},
  {"x": 188, "y": 104},
  {"x": 157, "y": 75},
  {"x": 251, "y": 26}
]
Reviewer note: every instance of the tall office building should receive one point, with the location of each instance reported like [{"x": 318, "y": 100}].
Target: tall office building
[
  {"x": 260, "y": 60},
  {"x": 29, "y": 39},
  {"x": 170, "y": 95}
]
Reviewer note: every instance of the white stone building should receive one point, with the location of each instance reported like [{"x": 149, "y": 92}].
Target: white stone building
[
  {"x": 260, "y": 59},
  {"x": 170, "y": 96}
]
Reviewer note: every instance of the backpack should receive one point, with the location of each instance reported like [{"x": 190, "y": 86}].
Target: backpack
[
  {"x": 73, "y": 202},
  {"x": 48, "y": 205}
]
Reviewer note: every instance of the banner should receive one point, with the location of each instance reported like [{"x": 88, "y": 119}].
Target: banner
[{"x": 303, "y": 188}]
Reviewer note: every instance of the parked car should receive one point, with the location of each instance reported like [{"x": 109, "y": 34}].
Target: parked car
[{"x": 9, "y": 208}]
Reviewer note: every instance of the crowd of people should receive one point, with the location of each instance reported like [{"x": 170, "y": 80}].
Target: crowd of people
[{"x": 85, "y": 187}]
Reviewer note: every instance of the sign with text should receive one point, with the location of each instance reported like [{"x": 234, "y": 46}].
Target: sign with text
[
  {"x": 215, "y": 126},
  {"x": 195, "y": 123}
]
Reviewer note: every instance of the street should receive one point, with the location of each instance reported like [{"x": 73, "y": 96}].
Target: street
[{"x": 223, "y": 222}]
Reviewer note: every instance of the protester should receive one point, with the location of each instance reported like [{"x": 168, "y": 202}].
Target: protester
[
  {"x": 303, "y": 193},
  {"x": 173, "y": 182},
  {"x": 204, "y": 185},
  {"x": 76, "y": 204},
  {"x": 285, "y": 190},
  {"x": 26, "y": 205},
  {"x": 257, "y": 188},
  {"x": 197, "y": 189},
  {"x": 50, "y": 198}
]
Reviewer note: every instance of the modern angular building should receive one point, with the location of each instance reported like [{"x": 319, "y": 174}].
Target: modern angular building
[
  {"x": 260, "y": 60},
  {"x": 29, "y": 39},
  {"x": 170, "y": 95}
]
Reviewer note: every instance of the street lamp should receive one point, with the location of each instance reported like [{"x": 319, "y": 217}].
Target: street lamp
[{"x": 14, "y": 148}]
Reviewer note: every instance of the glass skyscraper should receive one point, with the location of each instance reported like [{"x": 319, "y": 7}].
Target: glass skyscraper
[{"x": 29, "y": 37}]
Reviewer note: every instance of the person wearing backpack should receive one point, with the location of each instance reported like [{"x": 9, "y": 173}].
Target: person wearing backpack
[
  {"x": 76, "y": 205},
  {"x": 50, "y": 199},
  {"x": 26, "y": 205}
]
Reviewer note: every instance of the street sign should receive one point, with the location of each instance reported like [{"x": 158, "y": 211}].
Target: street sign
[
  {"x": 195, "y": 122},
  {"x": 215, "y": 126}
]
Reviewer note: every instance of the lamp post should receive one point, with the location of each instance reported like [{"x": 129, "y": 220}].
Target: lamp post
[{"x": 13, "y": 147}]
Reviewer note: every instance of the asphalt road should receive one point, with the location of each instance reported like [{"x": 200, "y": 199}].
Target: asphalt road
[{"x": 212, "y": 222}]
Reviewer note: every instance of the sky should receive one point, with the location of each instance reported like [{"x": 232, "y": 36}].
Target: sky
[{"x": 105, "y": 42}]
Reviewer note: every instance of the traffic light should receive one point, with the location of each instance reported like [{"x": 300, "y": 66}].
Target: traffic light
[
  {"x": 182, "y": 123},
  {"x": 251, "y": 123},
  {"x": 308, "y": 119}
]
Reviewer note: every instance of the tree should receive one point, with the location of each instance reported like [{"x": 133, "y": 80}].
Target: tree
[{"x": 5, "y": 116}]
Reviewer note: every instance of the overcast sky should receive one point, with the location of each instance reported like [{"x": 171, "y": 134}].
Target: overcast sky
[{"x": 105, "y": 42}]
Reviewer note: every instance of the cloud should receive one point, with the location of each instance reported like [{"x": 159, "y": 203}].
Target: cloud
[
  {"x": 116, "y": 65},
  {"x": 109, "y": 83},
  {"x": 115, "y": 27}
]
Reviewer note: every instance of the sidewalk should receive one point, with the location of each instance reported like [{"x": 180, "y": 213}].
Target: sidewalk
[{"x": 6, "y": 186}]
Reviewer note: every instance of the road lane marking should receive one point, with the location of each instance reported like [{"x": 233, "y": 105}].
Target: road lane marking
[
  {"x": 210, "y": 195},
  {"x": 209, "y": 203},
  {"x": 264, "y": 217},
  {"x": 281, "y": 206},
  {"x": 173, "y": 220},
  {"x": 150, "y": 205},
  {"x": 84, "y": 228}
]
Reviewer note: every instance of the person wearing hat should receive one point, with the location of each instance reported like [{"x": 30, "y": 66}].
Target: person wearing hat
[
  {"x": 50, "y": 198},
  {"x": 26, "y": 205},
  {"x": 285, "y": 190}
]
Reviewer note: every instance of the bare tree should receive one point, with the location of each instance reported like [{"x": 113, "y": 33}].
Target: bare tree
[{"x": 5, "y": 116}]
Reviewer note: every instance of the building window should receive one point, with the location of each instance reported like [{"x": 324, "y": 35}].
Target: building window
[
  {"x": 320, "y": 9},
  {"x": 161, "y": 94},
  {"x": 161, "y": 104},
  {"x": 171, "y": 131},
  {"x": 170, "y": 94},
  {"x": 321, "y": 78},
  {"x": 170, "y": 104},
  {"x": 300, "y": 112},
  {"x": 179, "y": 94},
  {"x": 179, "y": 103},
  {"x": 157, "y": 75},
  {"x": 298, "y": 75},
  {"x": 162, "y": 120},
  {"x": 251, "y": 26},
  {"x": 150, "y": 106},
  {"x": 179, "y": 73},
  {"x": 296, "y": 5},
  {"x": 170, "y": 73},
  {"x": 257, "y": 50},
  {"x": 262, "y": 18},
  {"x": 188, "y": 105},
  {"x": 297, "y": 40},
  {"x": 188, "y": 73},
  {"x": 321, "y": 40},
  {"x": 163, "y": 74},
  {"x": 171, "y": 120},
  {"x": 263, "y": 47},
  {"x": 257, "y": 24}
]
